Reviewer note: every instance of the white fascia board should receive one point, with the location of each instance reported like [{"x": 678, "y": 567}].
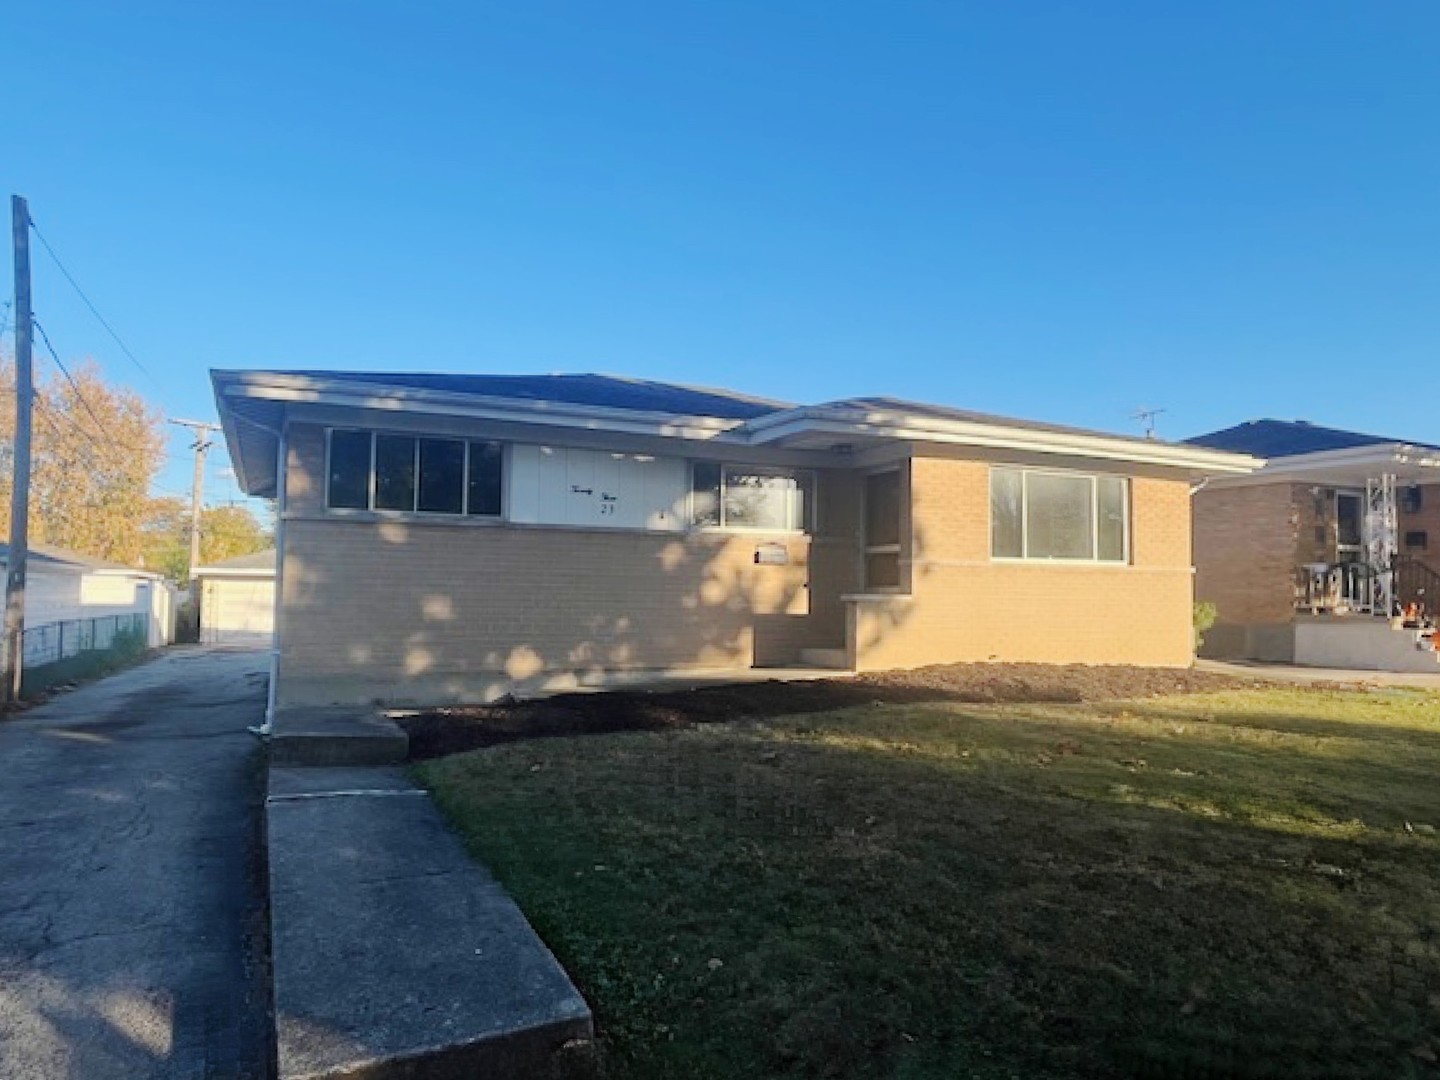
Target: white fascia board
[
  {"x": 964, "y": 433},
  {"x": 1376, "y": 459},
  {"x": 235, "y": 572},
  {"x": 303, "y": 390}
]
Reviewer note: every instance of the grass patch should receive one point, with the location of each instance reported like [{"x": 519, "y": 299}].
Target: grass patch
[{"x": 1228, "y": 884}]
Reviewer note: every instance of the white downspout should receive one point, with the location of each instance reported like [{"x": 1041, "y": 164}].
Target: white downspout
[{"x": 281, "y": 452}]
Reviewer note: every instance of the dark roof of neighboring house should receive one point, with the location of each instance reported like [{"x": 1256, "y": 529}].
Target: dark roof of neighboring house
[
  {"x": 1286, "y": 438},
  {"x": 59, "y": 558},
  {"x": 259, "y": 560},
  {"x": 607, "y": 391}
]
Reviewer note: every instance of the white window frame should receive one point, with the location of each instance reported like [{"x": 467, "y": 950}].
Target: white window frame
[
  {"x": 1025, "y": 472},
  {"x": 806, "y": 477},
  {"x": 415, "y": 511}
]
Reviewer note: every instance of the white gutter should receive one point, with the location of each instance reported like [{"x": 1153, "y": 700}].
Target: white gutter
[
  {"x": 1358, "y": 457},
  {"x": 911, "y": 427},
  {"x": 296, "y": 389}
]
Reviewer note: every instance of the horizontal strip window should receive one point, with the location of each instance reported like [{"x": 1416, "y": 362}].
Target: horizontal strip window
[
  {"x": 368, "y": 470},
  {"x": 1043, "y": 515},
  {"x": 743, "y": 497}
]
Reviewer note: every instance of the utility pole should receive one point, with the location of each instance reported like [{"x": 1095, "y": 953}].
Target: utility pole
[
  {"x": 197, "y": 485},
  {"x": 20, "y": 488}
]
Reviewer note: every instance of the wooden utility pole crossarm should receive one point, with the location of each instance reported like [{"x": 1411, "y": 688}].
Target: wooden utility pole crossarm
[
  {"x": 20, "y": 488},
  {"x": 202, "y": 445}
]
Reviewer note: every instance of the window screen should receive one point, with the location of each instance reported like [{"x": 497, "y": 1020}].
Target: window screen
[
  {"x": 369, "y": 470},
  {"x": 1007, "y": 515},
  {"x": 757, "y": 500},
  {"x": 394, "y": 472},
  {"x": 349, "y": 487},
  {"x": 1058, "y": 522},
  {"x": 1039, "y": 514},
  {"x": 705, "y": 493},
  {"x": 442, "y": 476},
  {"x": 485, "y": 492}
]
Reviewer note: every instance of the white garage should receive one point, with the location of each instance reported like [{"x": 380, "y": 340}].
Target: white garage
[{"x": 237, "y": 600}]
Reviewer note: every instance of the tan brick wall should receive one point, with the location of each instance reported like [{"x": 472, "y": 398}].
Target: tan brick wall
[
  {"x": 965, "y": 606},
  {"x": 406, "y": 610},
  {"x": 1248, "y": 544},
  {"x": 406, "y": 598},
  {"x": 413, "y": 609}
]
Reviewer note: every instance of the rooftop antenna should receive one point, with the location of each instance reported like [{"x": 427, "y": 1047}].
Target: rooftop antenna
[{"x": 1147, "y": 420}]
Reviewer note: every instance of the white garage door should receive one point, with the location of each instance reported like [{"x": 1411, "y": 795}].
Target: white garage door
[{"x": 237, "y": 612}]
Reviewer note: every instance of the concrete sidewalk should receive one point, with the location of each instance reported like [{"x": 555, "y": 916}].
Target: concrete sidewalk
[
  {"x": 1296, "y": 674},
  {"x": 395, "y": 954},
  {"x": 132, "y": 938}
]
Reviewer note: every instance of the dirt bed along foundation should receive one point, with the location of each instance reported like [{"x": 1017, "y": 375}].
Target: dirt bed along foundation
[{"x": 438, "y": 732}]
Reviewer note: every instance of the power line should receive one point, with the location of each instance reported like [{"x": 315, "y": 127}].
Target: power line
[
  {"x": 50, "y": 416},
  {"x": 93, "y": 309},
  {"x": 80, "y": 394},
  {"x": 66, "y": 372}
]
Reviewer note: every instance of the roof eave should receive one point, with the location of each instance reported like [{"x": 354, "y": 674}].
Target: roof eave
[
  {"x": 290, "y": 389},
  {"x": 1379, "y": 458},
  {"x": 914, "y": 428}
]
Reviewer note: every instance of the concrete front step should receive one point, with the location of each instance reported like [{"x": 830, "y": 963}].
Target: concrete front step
[
  {"x": 336, "y": 736},
  {"x": 394, "y": 954},
  {"x": 1362, "y": 643},
  {"x": 836, "y": 659}
]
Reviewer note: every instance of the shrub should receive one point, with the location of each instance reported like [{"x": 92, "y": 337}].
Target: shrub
[{"x": 1203, "y": 615}]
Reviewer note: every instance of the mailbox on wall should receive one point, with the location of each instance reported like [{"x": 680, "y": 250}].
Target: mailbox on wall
[{"x": 772, "y": 555}]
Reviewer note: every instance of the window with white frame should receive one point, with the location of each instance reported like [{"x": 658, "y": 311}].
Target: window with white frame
[
  {"x": 368, "y": 470},
  {"x": 745, "y": 497},
  {"x": 1046, "y": 515}
]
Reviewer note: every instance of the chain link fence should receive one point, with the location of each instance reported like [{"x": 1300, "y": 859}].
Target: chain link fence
[{"x": 77, "y": 648}]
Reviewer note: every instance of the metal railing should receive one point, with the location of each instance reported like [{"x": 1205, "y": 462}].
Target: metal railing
[
  {"x": 1347, "y": 587},
  {"x": 53, "y": 642},
  {"x": 1416, "y": 583}
]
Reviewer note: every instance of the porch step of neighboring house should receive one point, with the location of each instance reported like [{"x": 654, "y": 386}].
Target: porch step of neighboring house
[
  {"x": 836, "y": 659},
  {"x": 1363, "y": 643},
  {"x": 336, "y": 736}
]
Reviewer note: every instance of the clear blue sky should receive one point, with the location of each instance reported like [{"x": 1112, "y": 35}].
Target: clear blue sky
[{"x": 1228, "y": 210}]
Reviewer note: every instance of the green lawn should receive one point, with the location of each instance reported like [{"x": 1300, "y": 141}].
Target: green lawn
[{"x": 1233, "y": 884}]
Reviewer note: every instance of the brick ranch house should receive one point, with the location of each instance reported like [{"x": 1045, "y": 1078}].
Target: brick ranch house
[
  {"x": 1316, "y": 558},
  {"x": 446, "y": 538}
]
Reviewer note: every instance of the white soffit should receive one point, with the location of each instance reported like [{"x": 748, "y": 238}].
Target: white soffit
[{"x": 1350, "y": 467}]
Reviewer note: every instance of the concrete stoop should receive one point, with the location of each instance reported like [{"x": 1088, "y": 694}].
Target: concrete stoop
[
  {"x": 336, "y": 736},
  {"x": 394, "y": 954}
]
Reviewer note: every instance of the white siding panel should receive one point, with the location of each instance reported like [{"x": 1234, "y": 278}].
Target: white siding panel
[{"x": 596, "y": 488}]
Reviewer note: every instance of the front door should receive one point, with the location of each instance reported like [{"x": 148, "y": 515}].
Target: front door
[{"x": 1349, "y": 529}]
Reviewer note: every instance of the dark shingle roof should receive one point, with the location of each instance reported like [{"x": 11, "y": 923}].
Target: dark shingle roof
[
  {"x": 608, "y": 391},
  {"x": 1286, "y": 438}
]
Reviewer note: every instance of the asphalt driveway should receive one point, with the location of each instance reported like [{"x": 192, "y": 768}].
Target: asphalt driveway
[{"x": 132, "y": 930}]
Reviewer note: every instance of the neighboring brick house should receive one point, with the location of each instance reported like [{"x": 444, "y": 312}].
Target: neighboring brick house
[
  {"x": 448, "y": 538},
  {"x": 1338, "y": 532}
]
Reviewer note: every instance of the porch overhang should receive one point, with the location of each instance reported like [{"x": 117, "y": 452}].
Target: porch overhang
[{"x": 1350, "y": 468}]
